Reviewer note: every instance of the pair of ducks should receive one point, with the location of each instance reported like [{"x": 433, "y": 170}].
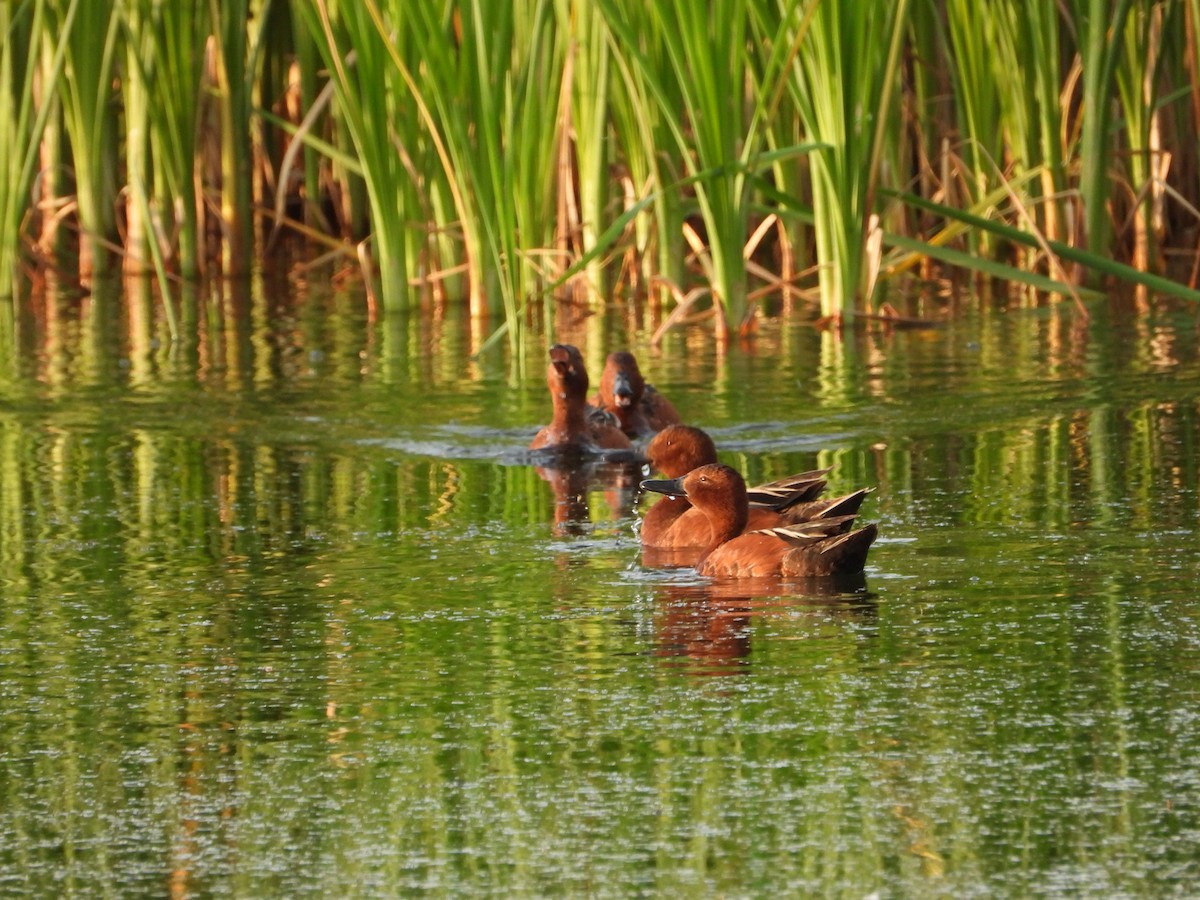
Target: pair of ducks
[
  {"x": 626, "y": 408},
  {"x": 775, "y": 529}
]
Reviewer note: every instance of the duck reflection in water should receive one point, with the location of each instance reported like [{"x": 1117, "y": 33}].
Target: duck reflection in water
[
  {"x": 572, "y": 484},
  {"x": 708, "y": 629}
]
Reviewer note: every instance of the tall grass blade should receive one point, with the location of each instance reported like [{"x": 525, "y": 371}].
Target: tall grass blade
[
  {"x": 356, "y": 52},
  {"x": 725, "y": 105},
  {"x": 1100, "y": 22},
  {"x": 1098, "y": 264},
  {"x": 22, "y": 27},
  {"x": 588, "y": 62},
  {"x": 175, "y": 91},
  {"x": 1137, "y": 78},
  {"x": 644, "y": 104},
  {"x": 842, "y": 82},
  {"x": 231, "y": 21},
  {"x": 489, "y": 80},
  {"x": 92, "y": 38}
]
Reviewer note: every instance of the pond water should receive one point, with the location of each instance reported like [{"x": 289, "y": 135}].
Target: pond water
[{"x": 286, "y": 612}]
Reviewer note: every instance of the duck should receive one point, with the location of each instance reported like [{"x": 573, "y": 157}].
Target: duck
[
  {"x": 675, "y": 524},
  {"x": 816, "y": 548},
  {"x": 639, "y": 408},
  {"x": 576, "y": 426}
]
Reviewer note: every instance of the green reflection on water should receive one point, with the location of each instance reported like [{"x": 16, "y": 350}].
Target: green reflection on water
[{"x": 284, "y": 614}]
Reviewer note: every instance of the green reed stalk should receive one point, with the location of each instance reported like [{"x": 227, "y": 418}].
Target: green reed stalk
[
  {"x": 589, "y": 63},
  {"x": 709, "y": 66},
  {"x": 1025, "y": 34},
  {"x": 491, "y": 93},
  {"x": 307, "y": 60},
  {"x": 22, "y": 27},
  {"x": 356, "y": 52},
  {"x": 1097, "y": 21},
  {"x": 843, "y": 84},
  {"x": 1098, "y": 264},
  {"x": 232, "y": 69},
  {"x": 929, "y": 97},
  {"x": 162, "y": 87},
  {"x": 276, "y": 56},
  {"x": 1012, "y": 124},
  {"x": 644, "y": 102},
  {"x": 139, "y": 47},
  {"x": 1137, "y": 83},
  {"x": 174, "y": 141},
  {"x": 532, "y": 129},
  {"x": 708, "y": 69},
  {"x": 443, "y": 85},
  {"x": 975, "y": 37},
  {"x": 86, "y": 90}
]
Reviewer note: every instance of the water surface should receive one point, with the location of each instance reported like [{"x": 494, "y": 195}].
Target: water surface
[{"x": 286, "y": 612}]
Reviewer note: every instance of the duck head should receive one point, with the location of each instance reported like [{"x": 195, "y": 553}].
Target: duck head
[
  {"x": 621, "y": 385},
  {"x": 566, "y": 375},
  {"x": 678, "y": 449}
]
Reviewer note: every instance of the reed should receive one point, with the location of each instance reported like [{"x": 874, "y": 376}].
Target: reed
[
  {"x": 233, "y": 33},
  {"x": 843, "y": 83},
  {"x": 724, "y": 106},
  {"x": 585, "y": 198},
  {"x": 490, "y": 82},
  {"x": 92, "y": 38},
  {"x": 139, "y": 50},
  {"x": 1035, "y": 117},
  {"x": 974, "y": 40},
  {"x": 1138, "y": 80},
  {"x": 1099, "y": 54},
  {"x": 643, "y": 106},
  {"x": 22, "y": 27},
  {"x": 304, "y": 95},
  {"x": 161, "y": 90},
  {"x": 508, "y": 140},
  {"x": 355, "y": 48}
]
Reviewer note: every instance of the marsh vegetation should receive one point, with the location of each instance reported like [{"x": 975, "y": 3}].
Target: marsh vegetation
[{"x": 796, "y": 157}]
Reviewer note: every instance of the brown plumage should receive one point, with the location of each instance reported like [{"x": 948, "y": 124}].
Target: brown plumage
[
  {"x": 673, "y": 523},
  {"x": 818, "y": 547},
  {"x": 576, "y": 426},
  {"x": 639, "y": 408}
]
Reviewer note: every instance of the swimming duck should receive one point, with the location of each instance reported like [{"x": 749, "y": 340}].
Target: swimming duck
[
  {"x": 639, "y": 408},
  {"x": 576, "y": 426},
  {"x": 817, "y": 547},
  {"x": 676, "y": 524}
]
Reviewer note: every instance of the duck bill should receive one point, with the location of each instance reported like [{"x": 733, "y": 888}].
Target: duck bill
[
  {"x": 622, "y": 391},
  {"x": 670, "y": 486}
]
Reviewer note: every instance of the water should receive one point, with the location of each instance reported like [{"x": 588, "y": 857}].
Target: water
[{"x": 287, "y": 613}]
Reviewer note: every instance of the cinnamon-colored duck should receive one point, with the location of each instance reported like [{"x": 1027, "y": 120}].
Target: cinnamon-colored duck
[
  {"x": 640, "y": 409},
  {"x": 811, "y": 548},
  {"x": 576, "y": 427},
  {"x": 675, "y": 524}
]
